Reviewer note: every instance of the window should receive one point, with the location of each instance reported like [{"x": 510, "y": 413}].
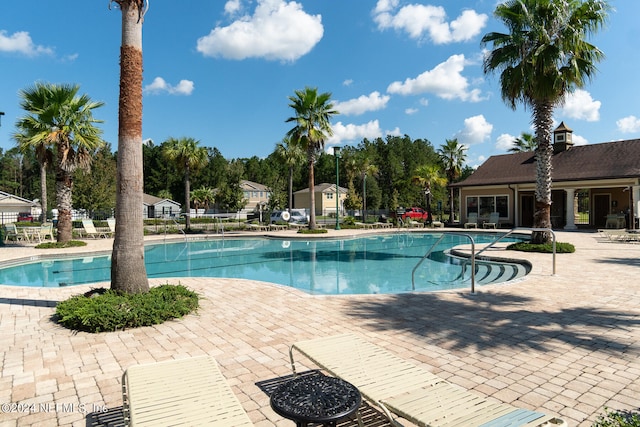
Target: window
[
  {"x": 329, "y": 196},
  {"x": 484, "y": 205}
]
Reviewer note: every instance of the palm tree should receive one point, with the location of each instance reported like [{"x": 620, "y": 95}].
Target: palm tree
[
  {"x": 292, "y": 155},
  {"x": 542, "y": 58},
  {"x": 60, "y": 118},
  {"x": 526, "y": 142},
  {"x": 313, "y": 112},
  {"x": 427, "y": 177},
  {"x": 202, "y": 196},
  {"x": 188, "y": 157},
  {"x": 128, "y": 272},
  {"x": 165, "y": 194},
  {"x": 45, "y": 158},
  {"x": 453, "y": 155},
  {"x": 365, "y": 168}
]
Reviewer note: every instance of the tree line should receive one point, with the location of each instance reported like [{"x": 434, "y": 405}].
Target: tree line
[{"x": 380, "y": 174}]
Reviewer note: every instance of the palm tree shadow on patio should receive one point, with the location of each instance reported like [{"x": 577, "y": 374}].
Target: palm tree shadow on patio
[
  {"x": 486, "y": 321},
  {"x": 632, "y": 261}
]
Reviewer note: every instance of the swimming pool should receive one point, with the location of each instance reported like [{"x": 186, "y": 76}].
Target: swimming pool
[{"x": 380, "y": 263}]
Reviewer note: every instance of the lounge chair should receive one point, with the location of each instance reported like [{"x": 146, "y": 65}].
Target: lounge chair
[
  {"x": 472, "y": 220},
  {"x": 621, "y": 235},
  {"x": 90, "y": 229},
  {"x": 380, "y": 224},
  {"x": 180, "y": 392},
  {"x": 11, "y": 233},
  {"x": 494, "y": 219},
  {"x": 257, "y": 227},
  {"x": 402, "y": 389},
  {"x": 46, "y": 230},
  {"x": 409, "y": 223},
  {"x": 365, "y": 225},
  {"x": 111, "y": 222}
]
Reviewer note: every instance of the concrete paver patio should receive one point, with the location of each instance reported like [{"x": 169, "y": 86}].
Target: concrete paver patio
[{"x": 566, "y": 344}]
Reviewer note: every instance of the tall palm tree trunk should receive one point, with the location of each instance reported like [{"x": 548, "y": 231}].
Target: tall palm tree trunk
[
  {"x": 543, "y": 122},
  {"x": 187, "y": 197},
  {"x": 364, "y": 197},
  {"x": 43, "y": 191},
  {"x": 64, "y": 203},
  {"x": 312, "y": 194},
  {"x": 128, "y": 272},
  {"x": 451, "y": 206},
  {"x": 290, "y": 205}
]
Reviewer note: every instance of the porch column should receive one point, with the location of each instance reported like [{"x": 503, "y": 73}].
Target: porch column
[
  {"x": 636, "y": 205},
  {"x": 571, "y": 209}
]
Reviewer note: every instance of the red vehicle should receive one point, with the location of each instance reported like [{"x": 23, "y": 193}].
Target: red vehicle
[
  {"x": 414, "y": 214},
  {"x": 24, "y": 217}
]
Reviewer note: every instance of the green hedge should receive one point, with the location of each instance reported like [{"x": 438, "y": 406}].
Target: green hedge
[
  {"x": 613, "y": 418},
  {"x": 561, "y": 248},
  {"x": 107, "y": 310}
]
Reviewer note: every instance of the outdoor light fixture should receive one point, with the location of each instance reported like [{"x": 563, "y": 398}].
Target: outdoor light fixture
[
  {"x": 336, "y": 152},
  {"x": 1, "y": 114}
]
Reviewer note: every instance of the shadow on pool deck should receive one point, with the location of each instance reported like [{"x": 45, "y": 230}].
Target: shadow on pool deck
[{"x": 487, "y": 321}]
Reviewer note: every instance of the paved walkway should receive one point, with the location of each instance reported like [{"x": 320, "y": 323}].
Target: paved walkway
[{"x": 567, "y": 344}]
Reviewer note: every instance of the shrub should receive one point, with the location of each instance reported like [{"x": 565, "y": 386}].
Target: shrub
[
  {"x": 106, "y": 310},
  {"x": 618, "y": 419},
  {"x": 316, "y": 231},
  {"x": 561, "y": 248},
  {"x": 349, "y": 220},
  {"x": 56, "y": 245}
]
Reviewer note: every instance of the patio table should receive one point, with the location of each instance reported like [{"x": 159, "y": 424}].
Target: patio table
[
  {"x": 316, "y": 399},
  {"x": 30, "y": 233}
]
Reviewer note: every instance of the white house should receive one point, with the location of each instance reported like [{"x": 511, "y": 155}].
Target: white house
[
  {"x": 155, "y": 207},
  {"x": 11, "y": 206}
]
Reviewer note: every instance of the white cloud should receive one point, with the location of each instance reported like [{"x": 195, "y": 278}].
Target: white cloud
[
  {"x": 445, "y": 81},
  {"x": 159, "y": 85},
  {"x": 394, "y": 132},
  {"x": 505, "y": 142},
  {"x": 579, "y": 140},
  {"x": 580, "y": 105},
  {"x": 351, "y": 132},
  {"x": 347, "y": 82},
  {"x": 20, "y": 42},
  {"x": 418, "y": 19},
  {"x": 362, "y": 104},
  {"x": 629, "y": 124},
  {"x": 232, "y": 6},
  {"x": 278, "y": 30},
  {"x": 476, "y": 130},
  {"x": 411, "y": 111},
  {"x": 70, "y": 58}
]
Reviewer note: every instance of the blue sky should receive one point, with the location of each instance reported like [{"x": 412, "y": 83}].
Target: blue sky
[{"x": 221, "y": 72}]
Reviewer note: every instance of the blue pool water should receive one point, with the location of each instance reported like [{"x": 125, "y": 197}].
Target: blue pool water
[{"x": 364, "y": 265}]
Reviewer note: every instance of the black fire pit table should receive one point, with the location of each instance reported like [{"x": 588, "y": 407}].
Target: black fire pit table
[{"x": 316, "y": 399}]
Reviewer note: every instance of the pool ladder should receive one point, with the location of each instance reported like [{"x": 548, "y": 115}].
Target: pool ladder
[{"x": 474, "y": 255}]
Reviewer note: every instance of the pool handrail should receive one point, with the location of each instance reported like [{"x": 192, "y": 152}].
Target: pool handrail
[
  {"x": 474, "y": 254},
  {"x": 517, "y": 229},
  {"x": 473, "y": 259}
]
